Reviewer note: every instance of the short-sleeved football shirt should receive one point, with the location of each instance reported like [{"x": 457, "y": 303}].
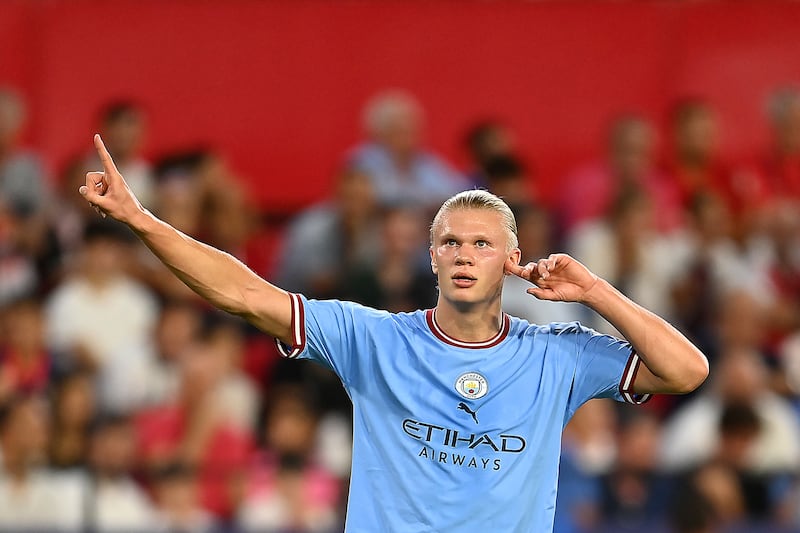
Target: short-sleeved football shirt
[{"x": 454, "y": 436}]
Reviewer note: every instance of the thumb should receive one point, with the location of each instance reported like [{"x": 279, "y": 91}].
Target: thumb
[{"x": 541, "y": 294}]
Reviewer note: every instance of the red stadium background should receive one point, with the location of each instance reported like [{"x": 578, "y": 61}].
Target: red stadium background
[{"x": 279, "y": 85}]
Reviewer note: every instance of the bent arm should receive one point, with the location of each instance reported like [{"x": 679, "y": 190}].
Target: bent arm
[{"x": 672, "y": 364}]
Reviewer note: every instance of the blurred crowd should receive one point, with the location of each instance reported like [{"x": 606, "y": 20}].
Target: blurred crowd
[{"x": 127, "y": 404}]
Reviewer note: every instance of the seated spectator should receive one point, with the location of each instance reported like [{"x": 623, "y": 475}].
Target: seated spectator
[
  {"x": 287, "y": 489},
  {"x": 143, "y": 375},
  {"x": 123, "y": 127},
  {"x": 588, "y": 451},
  {"x": 635, "y": 491},
  {"x": 400, "y": 169},
  {"x": 99, "y": 307},
  {"x": 236, "y": 395},
  {"x": 535, "y": 232},
  {"x": 193, "y": 430},
  {"x": 780, "y": 167},
  {"x": 117, "y": 504},
  {"x": 507, "y": 177},
  {"x": 18, "y": 273},
  {"x": 694, "y": 164},
  {"x": 74, "y": 407},
  {"x": 341, "y": 232},
  {"x": 33, "y": 498},
  {"x": 401, "y": 280},
  {"x": 739, "y": 431},
  {"x": 625, "y": 249},
  {"x": 588, "y": 193},
  {"x": 484, "y": 141},
  {"x": 23, "y": 182},
  {"x": 24, "y": 360},
  {"x": 178, "y": 507},
  {"x": 70, "y": 215},
  {"x": 692, "y": 434}
]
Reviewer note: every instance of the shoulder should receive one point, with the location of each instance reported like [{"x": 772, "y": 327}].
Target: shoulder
[{"x": 522, "y": 326}]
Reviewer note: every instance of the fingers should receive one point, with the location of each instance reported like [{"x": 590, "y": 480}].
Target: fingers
[
  {"x": 97, "y": 181},
  {"x": 94, "y": 190},
  {"x": 512, "y": 268},
  {"x": 542, "y": 294},
  {"x": 524, "y": 272},
  {"x": 105, "y": 157}
]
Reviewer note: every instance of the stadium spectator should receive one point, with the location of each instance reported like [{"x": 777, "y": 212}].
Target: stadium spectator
[
  {"x": 178, "y": 508},
  {"x": 99, "y": 307},
  {"x": 400, "y": 280},
  {"x": 116, "y": 503},
  {"x": 625, "y": 248},
  {"x": 123, "y": 123},
  {"x": 507, "y": 177},
  {"x": 33, "y": 498},
  {"x": 694, "y": 163},
  {"x": 288, "y": 489},
  {"x": 588, "y": 451},
  {"x": 144, "y": 375},
  {"x": 393, "y": 157},
  {"x": 74, "y": 407},
  {"x": 588, "y": 193},
  {"x": 484, "y": 141},
  {"x": 635, "y": 492},
  {"x": 341, "y": 231},
  {"x": 192, "y": 430},
  {"x": 535, "y": 233},
  {"x": 692, "y": 434},
  {"x": 25, "y": 363},
  {"x": 781, "y": 166},
  {"x": 18, "y": 274},
  {"x": 24, "y": 183}
]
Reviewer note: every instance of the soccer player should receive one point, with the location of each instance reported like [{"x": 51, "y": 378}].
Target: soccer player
[{"x": 458, "y": 410}]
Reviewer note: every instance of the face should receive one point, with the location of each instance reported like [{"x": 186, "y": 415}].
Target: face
[{"x": 468, "y": 254}]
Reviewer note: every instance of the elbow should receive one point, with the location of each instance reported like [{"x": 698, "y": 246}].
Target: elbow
[{"x": 694, "y": 376}]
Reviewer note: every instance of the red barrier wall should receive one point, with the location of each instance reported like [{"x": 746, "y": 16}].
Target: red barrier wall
[{"x": 279, "y": 85}]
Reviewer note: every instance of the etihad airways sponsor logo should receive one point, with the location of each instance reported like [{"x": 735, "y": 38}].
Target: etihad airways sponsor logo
[
  {"x": 439, "y": 443},
  {"x": 441, "y": 436}
]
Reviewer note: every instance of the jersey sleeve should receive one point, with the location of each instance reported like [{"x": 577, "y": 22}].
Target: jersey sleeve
[
  {"x": 605, "y": 367},
  {"x": 332, "y": 333}
]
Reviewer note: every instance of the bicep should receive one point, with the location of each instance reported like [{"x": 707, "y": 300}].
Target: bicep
[
  {"x": 268, "y": 308},
  {"x": 646, "y": 382}
]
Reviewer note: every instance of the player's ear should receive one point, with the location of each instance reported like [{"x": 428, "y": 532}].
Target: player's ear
[
  {"x": 514, "y": 257},
  {"x": 434, "y": 266}
]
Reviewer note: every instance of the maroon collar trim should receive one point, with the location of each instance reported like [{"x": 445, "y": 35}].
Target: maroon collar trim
[{"x": 430, "y": 316}]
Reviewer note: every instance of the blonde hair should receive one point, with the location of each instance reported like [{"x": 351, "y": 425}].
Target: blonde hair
[{"x": 479, "y": 199}]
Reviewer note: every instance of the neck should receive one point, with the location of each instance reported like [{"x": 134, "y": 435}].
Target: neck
[{"x": 469, "y": 322}]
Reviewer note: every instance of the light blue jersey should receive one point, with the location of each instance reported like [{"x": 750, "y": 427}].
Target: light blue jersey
[{"x": 454, "y": 436}]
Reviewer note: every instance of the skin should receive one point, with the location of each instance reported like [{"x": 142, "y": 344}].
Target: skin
[{"x": 470, "y": 254}]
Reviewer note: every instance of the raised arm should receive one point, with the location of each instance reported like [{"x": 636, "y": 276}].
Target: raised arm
[
  {"x": 672, "y": 364},
  {"x": 215, "y": 275}
]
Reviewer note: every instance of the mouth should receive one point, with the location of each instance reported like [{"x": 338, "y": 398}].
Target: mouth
[{"x": 463, "y": 280}]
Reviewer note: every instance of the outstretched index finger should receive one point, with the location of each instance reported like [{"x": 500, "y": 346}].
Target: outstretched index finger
[{"x": 105, "y": 157}]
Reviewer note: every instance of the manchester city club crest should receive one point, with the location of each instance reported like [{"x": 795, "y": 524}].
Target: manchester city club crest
[{"x": 472, "y": 385}]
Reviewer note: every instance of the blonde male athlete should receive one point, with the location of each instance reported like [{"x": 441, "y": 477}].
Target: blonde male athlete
[{"x": 458, "y": 410}]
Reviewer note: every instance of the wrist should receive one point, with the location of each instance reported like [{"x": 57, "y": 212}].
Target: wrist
[
  {"x": 598, "y": 293},
  {"x": 139, "y": 220}
]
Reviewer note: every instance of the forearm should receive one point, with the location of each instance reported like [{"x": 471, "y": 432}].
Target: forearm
[
  {"x": 216, "y": 276},
  {"x": 675, "y": 365}
]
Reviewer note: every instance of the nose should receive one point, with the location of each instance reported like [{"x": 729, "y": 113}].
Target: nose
[{"x": 463, "y": 258}]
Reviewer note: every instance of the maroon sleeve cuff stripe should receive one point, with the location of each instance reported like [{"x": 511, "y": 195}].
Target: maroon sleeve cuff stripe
[
  {"x": 629, "y": 378},
  {"x": 298, "y": 330}
]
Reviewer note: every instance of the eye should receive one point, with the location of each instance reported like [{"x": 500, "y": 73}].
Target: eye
[
  {"x": 451, "y": 242},
  {"x": 481, "y": 244}
]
